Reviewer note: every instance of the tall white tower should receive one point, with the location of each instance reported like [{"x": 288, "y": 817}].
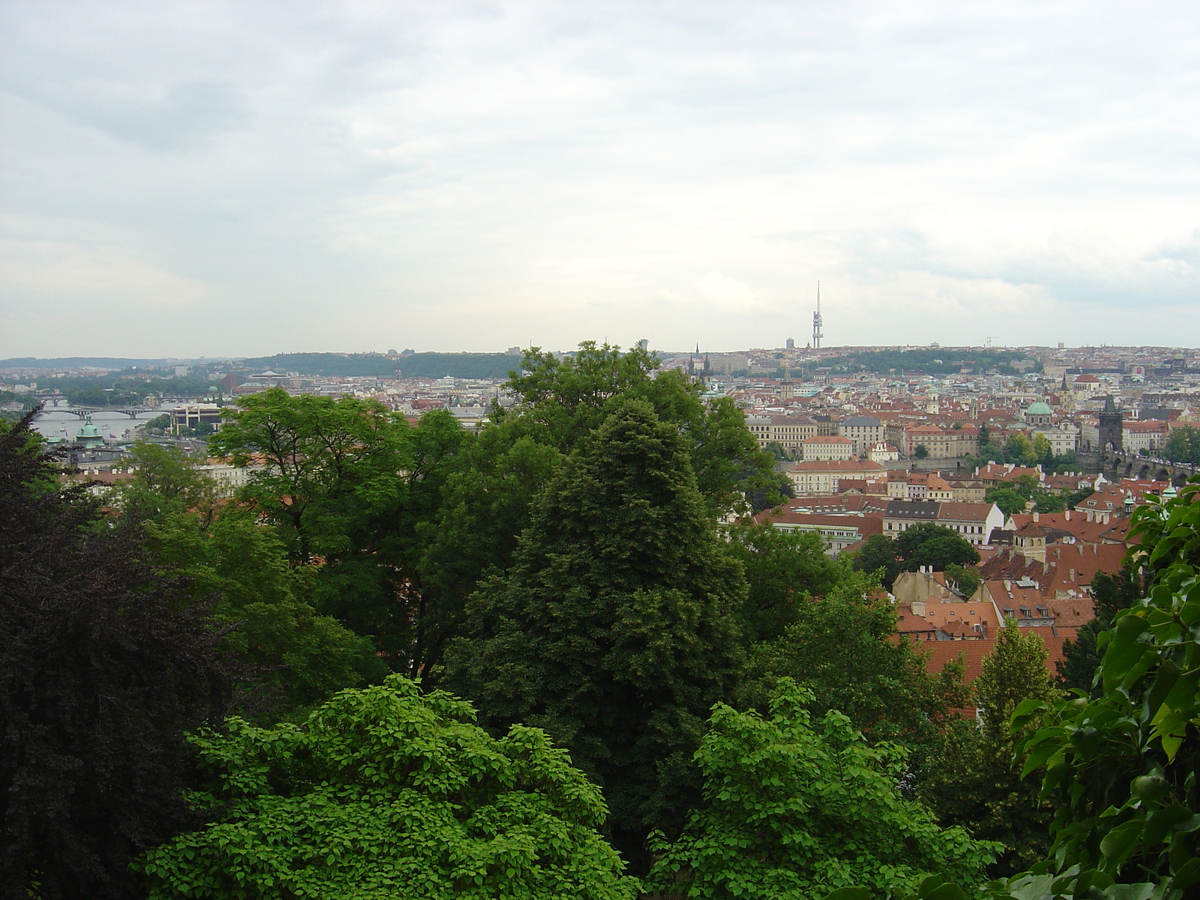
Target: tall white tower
[{"x": 816, "y": 338}]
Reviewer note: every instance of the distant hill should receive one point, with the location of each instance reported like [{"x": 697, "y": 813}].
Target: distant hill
[
  {"x": 933, "y": 361},
  {"x": 418, "y": 365}
]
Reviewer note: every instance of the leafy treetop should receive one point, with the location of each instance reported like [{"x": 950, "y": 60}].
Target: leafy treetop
[
  {"x": 387, "y": 792},
  {"x": 793, "y": 808}
]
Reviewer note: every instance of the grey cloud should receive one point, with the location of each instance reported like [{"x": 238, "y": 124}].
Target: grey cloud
[{"x": 187, "y": 117}]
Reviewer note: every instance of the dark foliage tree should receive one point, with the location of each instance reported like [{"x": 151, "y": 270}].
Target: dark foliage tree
[
  {"x": 843, "y": 647},
  {"x": 784, "y": 569},
  {"x": 329, "y": 473},
  {"x": 486, "y": 505},
  {"x": 927, "y": 544},
  {"x": 103, "y": 667},
  {"x": 1007, "y": 498},
  {"x": 1111, "y": 593},
  {"x": 570, "y": 397},
  {"x": 972, "y": 778},
  {"x": 964, "y": 579},
  {"x": 615, "y": 627},
  {"x": 1013, "y": 496},
  {"x": 878, "y": 555},
  {"x": 1183, "y": 445},
  {"x": 770, "y": 493},
  {"x": 1120, "y": 768},
  {"x": 297, "y": 656},
  {"x": 349, "y": 485}
]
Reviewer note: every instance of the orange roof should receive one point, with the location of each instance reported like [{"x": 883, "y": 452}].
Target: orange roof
[{"x": 939, "y": 653}]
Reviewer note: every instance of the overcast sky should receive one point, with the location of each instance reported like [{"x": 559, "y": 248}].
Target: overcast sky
[{"x": 259, "y": 176}]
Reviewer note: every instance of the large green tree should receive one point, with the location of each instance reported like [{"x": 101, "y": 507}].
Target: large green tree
[
  {"x": 570, "y": 396},
  {"x": 615, "y": 627},
  {"x": 973, "y": 779},
  {"x": 297, "y": 655},
  {"x": 784, "y": 571},
  {"x": 103, "y": 667},
  {"x": 225, "y": 555},
  {"x": 843, "y": 647},
  {"x": 387, "y": 792},
  {"x": 1111, "y": 593},
  {"x": 325, "y": 469},
  {"x": 927, "y": 544},
  {"x": 349, "y": 484},
  {"x": 795, "y": 807},
  {"x": 1121, "y": 768},
  {"x": 486, "y": 504},
  {"x": 1183, "y": 445},
  {"x": 878, "y": 555},
  {"x": 165, "y": 482}
]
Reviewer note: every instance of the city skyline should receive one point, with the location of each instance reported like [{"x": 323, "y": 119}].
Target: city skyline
[{"x": 242, "y": 179}]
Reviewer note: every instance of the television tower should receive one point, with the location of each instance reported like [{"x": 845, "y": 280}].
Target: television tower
[{"x": 816, "y": 338}]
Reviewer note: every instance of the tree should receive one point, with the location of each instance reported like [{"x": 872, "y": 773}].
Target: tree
[
  {"x": 349, "y": 485},
  {"x": 1081, "y": 657},
  {"x": 1183, "y": 445},
  {"x": 328, "y": 464},
  {"x": 1019, "y": 449},
  {"x": 103, "y": 667},
  {"x": 777, "y": 451},
  {"x": 299, "y": 656},
  {"x": 386, "y": 792},
  {"x": 1121, "y": 767},
  {"x": 878, "y": 554},
  {"x": 572, "y": 396},
  {"x": 1007, "y": 809},
  {"x": 164, "y": 482},
  {"x": 793, "y": 808},
  {"x": 921, "y": 451},
  {"x": 487, "y": 503},
  {"x": 1008, "y": 499},
  {"x": 927, "y": 544},
  {"x": 784, "y": 569},
  {"x": 231, "y": 559},
  {"x": 843, "y": 647},
  {"x": 1043, "y": 452},
  {"x": 963, "y": 579},
  {"x": 615, "y": 627}
]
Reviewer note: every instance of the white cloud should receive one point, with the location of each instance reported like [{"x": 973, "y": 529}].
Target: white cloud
[{"x": 468, "y": 176}]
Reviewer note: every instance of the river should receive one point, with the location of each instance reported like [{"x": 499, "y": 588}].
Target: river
[{"x": 57, "y": 422}]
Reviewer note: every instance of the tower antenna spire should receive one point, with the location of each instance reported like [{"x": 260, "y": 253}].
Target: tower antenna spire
[{"x": 816, "y": 334}]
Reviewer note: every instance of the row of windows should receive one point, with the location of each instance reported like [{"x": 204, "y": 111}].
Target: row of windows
[{"x": 961, "y": 529}]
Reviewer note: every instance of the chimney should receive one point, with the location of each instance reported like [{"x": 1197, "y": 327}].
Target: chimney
[{"x": 1068, "y": 515}]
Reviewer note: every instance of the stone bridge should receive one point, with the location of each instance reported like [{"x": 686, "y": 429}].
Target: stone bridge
[
  {"x": 83, "y": 412},
  {"x": 1121, "y": 464}
]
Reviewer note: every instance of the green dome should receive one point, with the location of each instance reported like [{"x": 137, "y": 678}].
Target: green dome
[
  {"x": 1039, "y": 408},
  {"x": 89, "y": 435}
]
